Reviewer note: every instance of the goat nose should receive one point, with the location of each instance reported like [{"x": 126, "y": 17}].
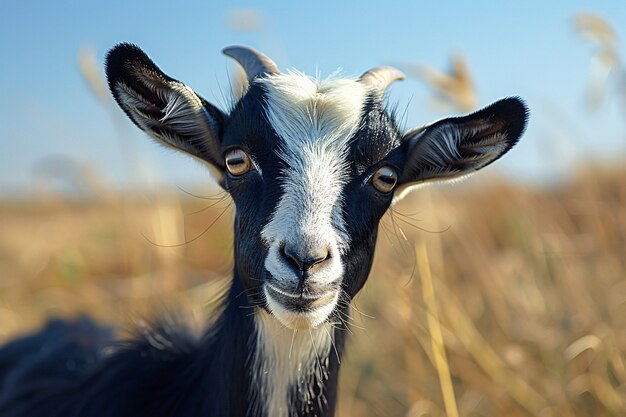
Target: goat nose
[{"x": 306, "y": 260}]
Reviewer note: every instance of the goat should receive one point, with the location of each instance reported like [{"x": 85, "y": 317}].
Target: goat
[{"x": 311, "y": 166}]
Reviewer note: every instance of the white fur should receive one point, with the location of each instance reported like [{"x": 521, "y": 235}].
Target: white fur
[
  {"x": 444, "y": 142},
  {"x": 184, "y": 112},
  {"x": 286, "y": 359},
  {"x": 314, "y": 121}
]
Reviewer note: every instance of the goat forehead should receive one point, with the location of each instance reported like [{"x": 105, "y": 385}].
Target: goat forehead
[
  {"x": 310, "y": 114},
  {"x": 289, "y": 118}
]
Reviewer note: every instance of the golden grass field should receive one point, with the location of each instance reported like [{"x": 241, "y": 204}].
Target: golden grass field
[{"x": 528, "y": 284}]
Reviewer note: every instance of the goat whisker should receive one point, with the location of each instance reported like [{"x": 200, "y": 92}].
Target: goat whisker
[
  {"x": 333, "y": 344},
  {"x": 212, "y": 197},
  {"x": 177, "y": 245},
  {"x": 317, "y": 356}
]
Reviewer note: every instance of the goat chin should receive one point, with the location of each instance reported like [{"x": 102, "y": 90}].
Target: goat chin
[{"x": 303, "y": 320}]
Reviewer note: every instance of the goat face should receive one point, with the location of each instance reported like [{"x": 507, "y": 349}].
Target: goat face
[
  {"x": 311, "y": 166},
  {"x": 311, "y": 150}
]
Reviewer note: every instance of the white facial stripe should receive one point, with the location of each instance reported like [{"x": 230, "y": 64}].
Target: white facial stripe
[
  {"x": 314, "y": 122},
  {"x": 286, "y": 359}
]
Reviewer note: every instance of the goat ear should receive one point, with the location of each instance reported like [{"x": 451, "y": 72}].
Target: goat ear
[
  {"x": 164, "y": 108},
  {"x": 458, "y": 146}
]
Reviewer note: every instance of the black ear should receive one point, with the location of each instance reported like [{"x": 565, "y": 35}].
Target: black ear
[
  {"x": 164, "y": 108},
  {"x": 457, "y": 146}
]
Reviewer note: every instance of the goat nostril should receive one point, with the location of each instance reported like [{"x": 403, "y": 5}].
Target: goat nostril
[
  {"x": 308, "y": 261},
  {"x": 316, "y": 262},
  {"x": 292, "y": 257}
]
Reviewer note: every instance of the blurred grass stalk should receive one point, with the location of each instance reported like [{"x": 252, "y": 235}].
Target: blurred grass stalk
[
  {"x": 436, "y": 338},
  {"x": 607, "y": 75}
]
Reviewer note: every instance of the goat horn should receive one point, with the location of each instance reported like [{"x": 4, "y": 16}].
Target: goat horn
[
  {"x": 380, "y": 78},
  {"x": 253, "y": 62}
]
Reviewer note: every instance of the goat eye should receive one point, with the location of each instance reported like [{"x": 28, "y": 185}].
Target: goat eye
[
  {"x": 385, "y": 179},
  {"x": 237, "y": 162}
]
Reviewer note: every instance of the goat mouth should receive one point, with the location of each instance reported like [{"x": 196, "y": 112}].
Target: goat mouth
[
  {"x": 300, "y": 311},
  {"x": 303, "y": 302}
]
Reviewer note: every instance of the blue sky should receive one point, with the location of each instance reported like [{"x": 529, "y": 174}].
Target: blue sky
[{"x": 528, "y": 49}]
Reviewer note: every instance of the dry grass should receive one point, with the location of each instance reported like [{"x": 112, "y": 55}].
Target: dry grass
[{"x": 529, "y": 286}]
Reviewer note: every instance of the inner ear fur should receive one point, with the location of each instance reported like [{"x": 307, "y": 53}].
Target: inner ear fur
[
  {"x": 166, "y": 109},
  {"x": 458, "y": 146}
]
